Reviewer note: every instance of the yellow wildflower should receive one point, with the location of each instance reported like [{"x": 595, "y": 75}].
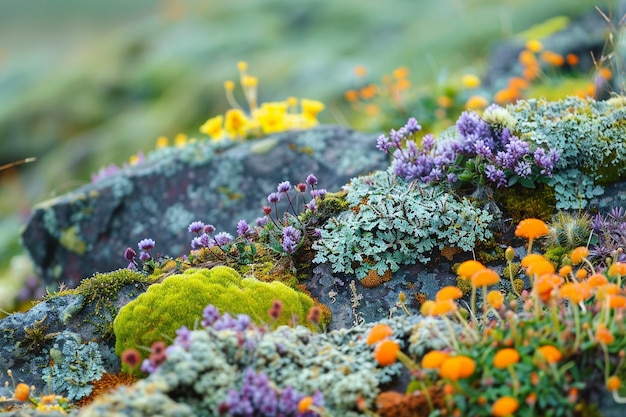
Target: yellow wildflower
[
  {"x": 213, "y": 127},
  {"x": 236, "y": 123},
  {"x": 162, "y": 142},
  {"x": 310, "y": 109},
  {"x": 534, "y": 45},
  {"x": 180, "y": 140},
  {"x": 470, "y": 81}
]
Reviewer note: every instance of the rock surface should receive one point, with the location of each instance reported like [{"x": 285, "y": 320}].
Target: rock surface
[{"x": 87, "y": 230}]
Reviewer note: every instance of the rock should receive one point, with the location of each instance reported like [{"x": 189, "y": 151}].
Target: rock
[
  {"x": 87, "y": 230},
  {"x": 31, "y": 342}
]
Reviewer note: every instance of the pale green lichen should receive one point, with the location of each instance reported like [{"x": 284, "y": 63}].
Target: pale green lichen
[{"x": 69, "y": 238}]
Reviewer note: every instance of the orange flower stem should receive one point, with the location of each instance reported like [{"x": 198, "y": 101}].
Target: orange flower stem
[
  {"x": 516, "y": 384},
  {"x": 511, "y": 278},
  {"x": 530, "y": 245},
  {"x": 473, "y": 305},
  {"x": 406, "y": 361},
  {"x": 452, "y": 333},
  {"x": 577, "y": 328},
  {"x": 470, "y": 332}
]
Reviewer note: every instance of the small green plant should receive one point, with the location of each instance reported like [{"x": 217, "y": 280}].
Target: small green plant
[{"x": 391, "y": 223}]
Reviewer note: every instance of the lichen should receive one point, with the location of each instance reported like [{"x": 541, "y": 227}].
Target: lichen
[{"x": 70, "y": 240}]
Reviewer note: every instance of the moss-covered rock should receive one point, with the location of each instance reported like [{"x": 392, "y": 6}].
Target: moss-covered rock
[{"x": 180, "y": 300}]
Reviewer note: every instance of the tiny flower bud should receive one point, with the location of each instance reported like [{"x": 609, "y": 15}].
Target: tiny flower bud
[{"x": 509, "y": 254}]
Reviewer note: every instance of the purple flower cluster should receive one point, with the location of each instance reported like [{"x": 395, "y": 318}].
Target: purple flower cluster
[
  {"x": 479, "y": 150},
  {"x": 259, "y": 397},
  {"x": 291, "y": 238},
  {"x": 203, "y": 238},
  {"x": 144, "y": 246}
]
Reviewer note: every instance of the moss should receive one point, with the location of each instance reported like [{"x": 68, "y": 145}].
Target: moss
[
  {"x": 464, "y": 284},
  {"x": 522, "y": 203},
  {"x": 180, "y": 300},
  {"x": 519, "y": 285},
  {"x": 332, "y": 204},
  {"x": 555, "y": 255},
  {"x": 489, "y": 251},
  {"x": 511, "y": 270}
]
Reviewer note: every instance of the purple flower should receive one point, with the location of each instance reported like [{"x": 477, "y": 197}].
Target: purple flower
[
  {"x": 495, "y": 175},
  {"x": 273, "y": 198},
  {"x": 129, "y": 254},
  {"x": 226, "y": 322},
  {"x": 283, "y": 187},
  {"x": 262, "y": 221},
  {"x": 132, "y": 266},
  {"x": 242, "y": 228},
  {"x": 412, "y": 125},
  {"x": 223, "y": 238},
  {"x": 318, "y": 193},
  {"x": 291, "y": 238},
  {"x": 428, "y": 142},
  {"x": 210, "y": 315},
  {"x": 396, "y": 138},
  {"x": 523, "y": 169},
  {"x": 209, "y": 228},
  {"x": 202, "y": 241},
  {"x": 317, "y": 233},
  {"x": 242, "y": 322},
  {"x": 312, "y": 205},
  {"x": 146, "y": 244},
  {"x": 311, "y": 180},
  {"x": 383, "y": 144},
  {"x": 147, "y": 366},
  {"x": 144, "y": 256},
  {"x": 451, "y": 177},
  {"x": 183, "y": 337},
  {"x": 196, "y": 227}
]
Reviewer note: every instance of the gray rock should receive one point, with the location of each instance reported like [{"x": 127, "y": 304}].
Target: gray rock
[{"x": 87, "y": 230}]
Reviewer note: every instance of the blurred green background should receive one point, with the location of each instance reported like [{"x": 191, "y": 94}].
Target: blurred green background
[{"x": 85, "y": 83}]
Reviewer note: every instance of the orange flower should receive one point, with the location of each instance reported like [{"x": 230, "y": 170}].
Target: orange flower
[
  {"x": 401, "y": 72},
  {"x": 22, "y": 392},
  {"x": 533, "y": 258},
  {"x": 468, "y": 268},
  {"x": 368, "y": 92},
  {"x": 506, "y": 95},
  {"x": 504, "y": 406},
  {"x": 427, "y": 308},
  {"x": 540, "y": 268},
  {"x": 553, "y": 58},
  {"x": 579, "y": 254},
  {"x": 531, "y": 228},
  {"x": 575, "y": 291},
  {"x": 544, "y": 284},
  {"x": 304, "y": 404},
  {"x": 457, "y": 367},
  {"x": 495, "y": 299},
  {"x": 476, "y": 102},
  {"x": 531, "y": 72},
  {"x": 445, "y": 102},
  {"x": 485, "y": 277},
  {"x": 613, "y": 383},
  {"x": 618, "y": 268},
  {"x": 571, "y": 59},
  {"x": 386, "y": 352},
  {"x": 443, "y": 307},
  {"x": 517, "y": 83},
  {"x": 550, "y": 353},
  {"x": 449, "y": 292},
  {"x": 360, "y": 71},
  {"x": 605, "y": 73},
  {"x": 379, "y": 332},
  {"x": 597, "y": 280},
  {"x": 505, "y": 357},
  {"x": 603, "y": 335},
  {"x": 351, "y": 95},
  {"x": 565, "y": 270},
  {"x": 617, "y": 301},
  {"x": 581, "y": 273},
  {"x": 527, "y": 58},
  {"x": 434, "y": 359}
]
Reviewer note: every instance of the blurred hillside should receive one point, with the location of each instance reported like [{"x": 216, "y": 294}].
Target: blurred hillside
[{"x": 84, "y": 84}]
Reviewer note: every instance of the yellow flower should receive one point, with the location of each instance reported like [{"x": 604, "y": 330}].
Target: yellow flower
[
  {"x": 213, "y": 127},
  {"x": 180, "y": 140},
  {"x": 248, "y": 81},
  {"x": 242, "y": 66},
  {"x": 470, "y": 81},
  {"x": 236, "y": 123},
  {"x": 229, "y": 85},
  {"x": 310, "y": 109},
  {"x": 534, "y": 45},
  {"x": 162, "y": 142}
]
